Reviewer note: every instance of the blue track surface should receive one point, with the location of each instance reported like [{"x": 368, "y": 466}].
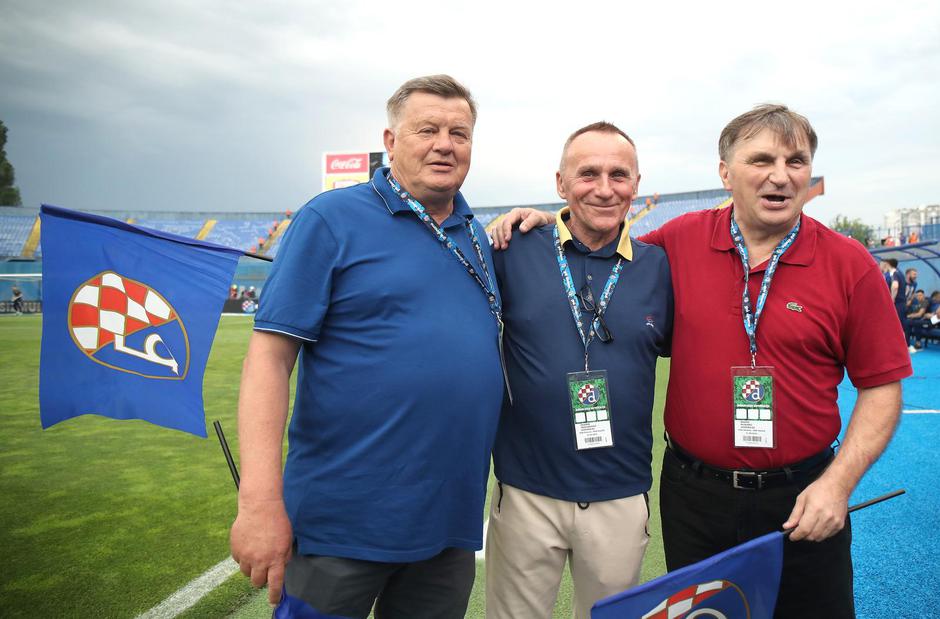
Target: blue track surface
[{"x": 896, "y": 544}]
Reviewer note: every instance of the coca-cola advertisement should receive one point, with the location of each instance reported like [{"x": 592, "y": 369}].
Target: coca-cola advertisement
[
  {"x": 347, "y": 163},
  {"x": 347, "y": 169}
]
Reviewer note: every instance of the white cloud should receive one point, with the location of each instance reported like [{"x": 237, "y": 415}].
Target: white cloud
[{"x": 229, "y": 105}]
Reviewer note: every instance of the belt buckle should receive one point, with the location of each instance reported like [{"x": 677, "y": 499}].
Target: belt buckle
[{"x": 737, "y": 475}]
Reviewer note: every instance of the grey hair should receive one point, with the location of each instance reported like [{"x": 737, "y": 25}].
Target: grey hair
[
  {"x": 601, "y": 126},
  {"x": 441, "y": 85},
  {"x": 787, "y": 124}
]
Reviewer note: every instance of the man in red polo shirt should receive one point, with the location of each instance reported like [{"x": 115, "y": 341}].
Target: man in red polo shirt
[{"x": 771, "y": 308}]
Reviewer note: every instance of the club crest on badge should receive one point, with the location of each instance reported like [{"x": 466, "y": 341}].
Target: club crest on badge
[
  {"x": 128, "y": 326},
  {"x": 725, "y": 600},
  {"x": 587, "y": 394},
  {"x": 752, "y": 391}
]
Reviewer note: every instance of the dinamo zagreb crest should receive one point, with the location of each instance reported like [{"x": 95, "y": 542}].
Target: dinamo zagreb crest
[
  {"x": 128, "y": 326},
  {"x": 752, "y": 391},
  {"x": 718, "y": 599},
  {"x": 587, "y": 394}
]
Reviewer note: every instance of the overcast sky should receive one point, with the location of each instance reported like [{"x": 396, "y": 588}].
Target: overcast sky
[{"x": 189, "y": 105}]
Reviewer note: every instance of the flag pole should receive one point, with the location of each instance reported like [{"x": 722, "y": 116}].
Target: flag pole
[
  {"x": 252, "y": 254},
  {"x": 227, "y": 452},
  {"x": 218, "y": 426},
  {"x": 879, "y": 499},
  {"x": 868, "y": 503}
]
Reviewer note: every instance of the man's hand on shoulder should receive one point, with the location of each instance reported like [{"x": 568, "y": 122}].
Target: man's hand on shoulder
[
  {"x": 525, "y": 218},
  {"x": 261, "y": 541},
  {"x": 820, "y": 510}
]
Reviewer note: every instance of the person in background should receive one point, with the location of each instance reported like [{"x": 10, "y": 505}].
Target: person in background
[
  {"x": 897, "y": 285},
  {"x": 910, "y": 286},
  {"x": 17, "y": 300}
]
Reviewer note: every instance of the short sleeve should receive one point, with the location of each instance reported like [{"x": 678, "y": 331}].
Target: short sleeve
[
  {"x": 875, "y": 349},
  {"x": 655, "y": 237},
  {"x": 296, "y": 295}
]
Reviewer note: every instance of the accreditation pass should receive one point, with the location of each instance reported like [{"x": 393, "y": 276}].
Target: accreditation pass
[
  {"x": 753, "y": 406},
  {"x": 590, "y": 409}
]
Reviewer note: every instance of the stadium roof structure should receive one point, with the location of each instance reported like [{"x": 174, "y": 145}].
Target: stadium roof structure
[{"x": 926, "y": 251}]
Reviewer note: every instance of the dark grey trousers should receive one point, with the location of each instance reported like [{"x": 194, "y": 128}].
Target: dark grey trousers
[{"x": 436, "y": 588}]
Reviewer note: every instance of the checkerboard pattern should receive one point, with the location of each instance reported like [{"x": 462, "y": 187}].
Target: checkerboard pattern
[
  {"x": 586, "y": 390},
  {"x": 109, "y": 305},
  {"x": 678, "y": 604},
  {"x": 751, "y": 390}
]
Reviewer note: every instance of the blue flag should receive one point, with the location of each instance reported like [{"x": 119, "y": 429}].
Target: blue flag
[
  {"x": 294, "y": 608},
  {"x": 741, "y": 582},
  {"x": 129, "y": 315}
]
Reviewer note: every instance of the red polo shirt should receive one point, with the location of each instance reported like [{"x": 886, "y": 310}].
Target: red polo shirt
[{"x": 828, "y": 311}]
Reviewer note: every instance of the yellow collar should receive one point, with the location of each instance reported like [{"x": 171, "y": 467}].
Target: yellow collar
[{"x": 624, "y": 247}]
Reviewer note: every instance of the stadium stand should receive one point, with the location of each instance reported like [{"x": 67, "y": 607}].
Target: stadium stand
[
  {"x": 240, "y": 233},
  {"x": 182, "y": 227},
  {"x": 15, "y": 226},
  {"x": 671, "y": 206},
  {"x": 486, "y": 215}
]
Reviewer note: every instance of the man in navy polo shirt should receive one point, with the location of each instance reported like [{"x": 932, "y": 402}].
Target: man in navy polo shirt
[
  {"x": 386, "y": 291},
  {"x": 573, "y": 448}
]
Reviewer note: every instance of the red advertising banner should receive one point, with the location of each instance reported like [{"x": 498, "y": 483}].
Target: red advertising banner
[{"x": 347, "y": 163}]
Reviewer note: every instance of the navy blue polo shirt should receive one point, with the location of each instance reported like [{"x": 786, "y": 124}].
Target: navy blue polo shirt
[
  {"x": 535, "y": 445},
  {"x": 399, "y": 382}
]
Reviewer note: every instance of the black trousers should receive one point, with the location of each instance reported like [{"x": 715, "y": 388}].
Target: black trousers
[
  {"x": 702, "y": 517},
  {"x": 436, "y": 588}
]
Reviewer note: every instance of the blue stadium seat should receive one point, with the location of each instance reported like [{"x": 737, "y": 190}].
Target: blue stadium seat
[
  {"x": 14, "y": 230},
  {"x": 181, "y": 227},
  {"x": 240, "y": 233},
  {"x": 666, "y": 210}
]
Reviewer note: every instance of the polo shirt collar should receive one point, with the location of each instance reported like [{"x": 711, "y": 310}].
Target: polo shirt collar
[
  {"x": 624, "y": 247},
  {"x": 802, "y": 252},
  {"x": 395, "y": 204}
]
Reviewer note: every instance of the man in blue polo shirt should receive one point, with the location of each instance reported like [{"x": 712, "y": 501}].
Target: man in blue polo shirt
[
  {"x": 573, "y": 449},
  {"x": 386, "y": 291}
]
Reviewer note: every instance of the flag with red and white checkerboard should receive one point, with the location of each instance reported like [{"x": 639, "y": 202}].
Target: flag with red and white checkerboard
[
  {"x": 677, "y": 605},
  {"x": 109, "y": 305}
]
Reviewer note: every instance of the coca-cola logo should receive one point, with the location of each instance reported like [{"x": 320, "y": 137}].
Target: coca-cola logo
[{"x": 347, "y": 163}]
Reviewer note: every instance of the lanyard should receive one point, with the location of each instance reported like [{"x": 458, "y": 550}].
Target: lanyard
[
  {"x": 573, "y": 299},
  {"x": 490, "y": 289},
  {"x": 750, "y": 319}
]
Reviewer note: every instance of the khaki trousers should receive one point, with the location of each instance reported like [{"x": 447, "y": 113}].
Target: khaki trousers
[{"x": 529, "y": 538}]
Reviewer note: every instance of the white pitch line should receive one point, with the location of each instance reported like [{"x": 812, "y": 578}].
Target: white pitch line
[
  {"x": 215, "y": 576},
  {"x": 193, "y": 592},
  {"x": 920, "y": 411}
]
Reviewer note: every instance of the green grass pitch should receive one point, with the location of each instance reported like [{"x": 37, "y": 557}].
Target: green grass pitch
[{"x": 107, "y": 518}]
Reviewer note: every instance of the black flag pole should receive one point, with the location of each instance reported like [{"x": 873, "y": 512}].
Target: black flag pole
[
  {"x": 870, "y": 502},
  {"x": 227, "y": 452},
  {"x": 863, "y": 505}
]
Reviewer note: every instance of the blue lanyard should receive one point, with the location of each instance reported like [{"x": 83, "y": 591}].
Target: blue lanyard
[
  {"x": 419, "y": 210},
  {"x": 568, "y": 282},
  {"x": 750, "y": 319}
]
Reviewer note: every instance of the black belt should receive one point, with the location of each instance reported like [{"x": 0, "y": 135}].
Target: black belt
[{"x": 754, "y": 480}]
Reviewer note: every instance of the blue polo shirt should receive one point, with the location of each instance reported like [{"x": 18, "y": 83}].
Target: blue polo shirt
[
  {"x": 399, "y": 382},
  {"x": 535, "y": 445}
]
